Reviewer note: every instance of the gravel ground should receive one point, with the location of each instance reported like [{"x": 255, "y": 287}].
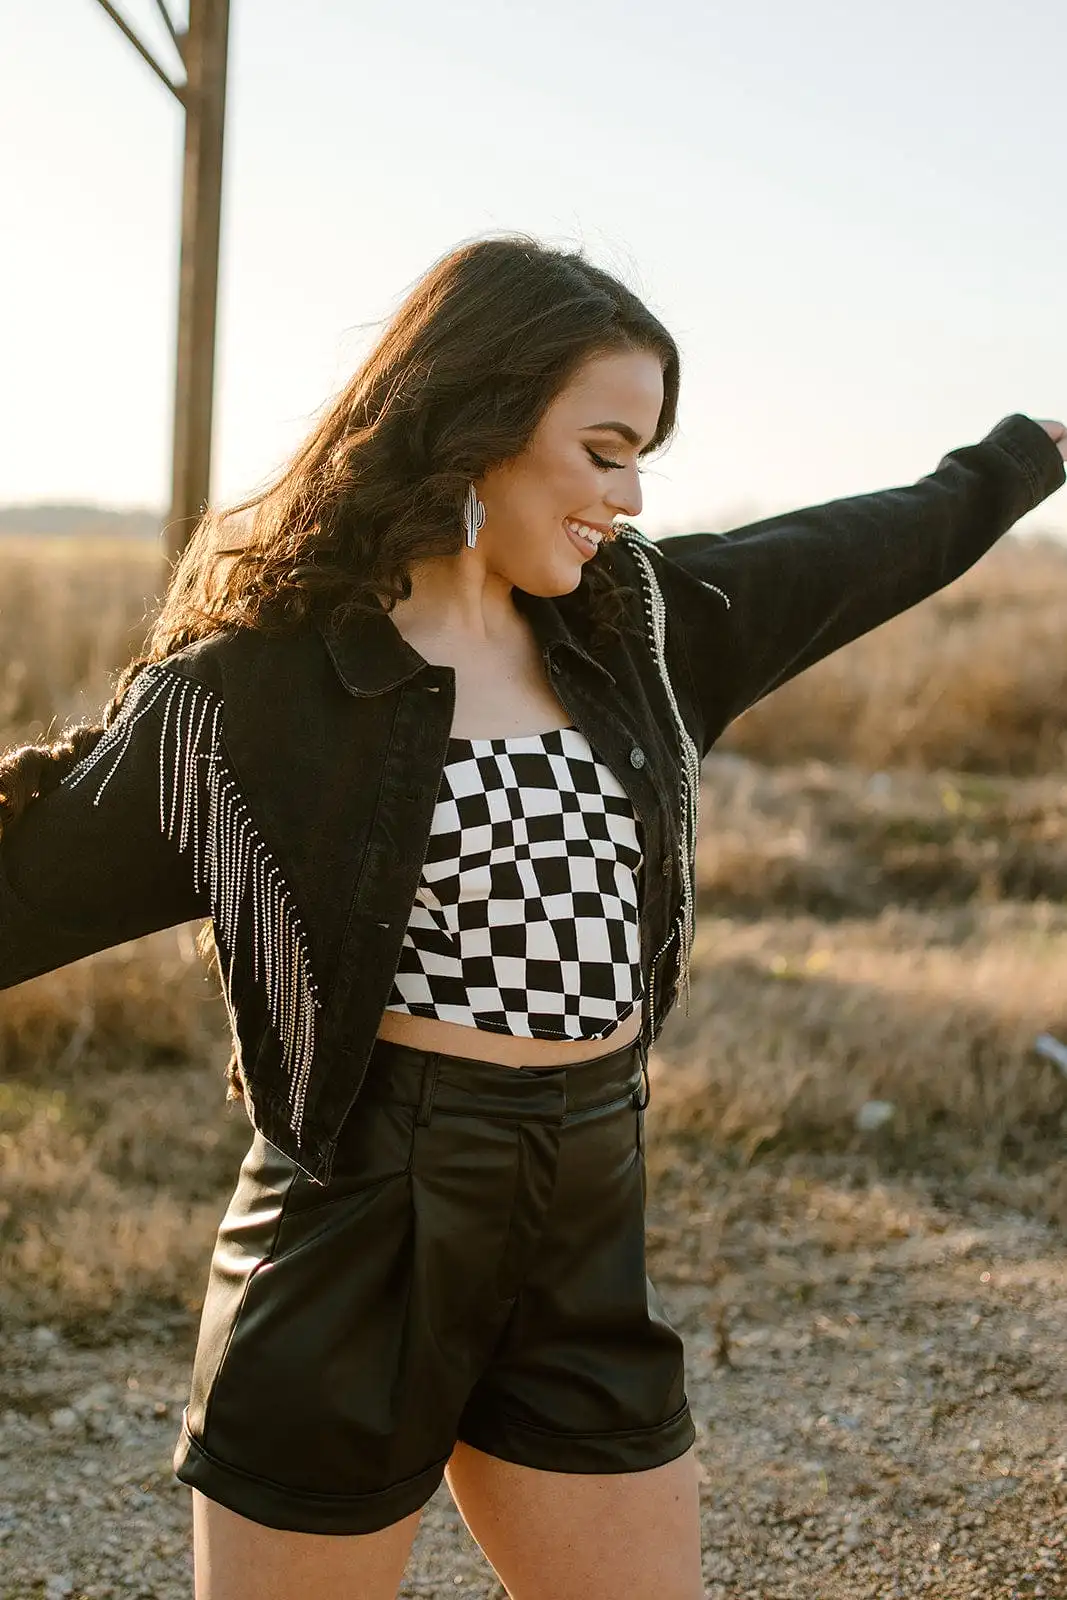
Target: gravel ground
[{"x": 881, "y": 1410}]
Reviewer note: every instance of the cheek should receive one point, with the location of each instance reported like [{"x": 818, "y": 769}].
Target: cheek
[
  {"x": 533, "y": 501},
  {"x": 562, "y": 479},
  {"x": 568, "y": 495}
]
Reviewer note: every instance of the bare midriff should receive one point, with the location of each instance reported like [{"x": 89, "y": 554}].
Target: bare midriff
[{"x": 503, "y": 1049}]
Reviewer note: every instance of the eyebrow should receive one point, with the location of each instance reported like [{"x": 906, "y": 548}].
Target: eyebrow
[{"x": 623, "y": 429}]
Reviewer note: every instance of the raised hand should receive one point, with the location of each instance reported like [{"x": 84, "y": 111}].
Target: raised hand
[{"x": 1057, "y": 432}]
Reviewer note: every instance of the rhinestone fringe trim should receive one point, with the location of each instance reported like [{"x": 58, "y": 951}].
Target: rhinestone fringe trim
[
  {"x": 201, "y": 804},
  {"x": 656, "y": 621}
]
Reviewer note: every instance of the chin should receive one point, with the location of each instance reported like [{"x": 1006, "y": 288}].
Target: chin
[{"x": 549, "y": 585}]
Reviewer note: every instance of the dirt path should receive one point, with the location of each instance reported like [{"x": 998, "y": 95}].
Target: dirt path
[{"x": 877, "y": 1370}]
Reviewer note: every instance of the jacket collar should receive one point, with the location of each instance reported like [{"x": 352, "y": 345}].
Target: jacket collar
[
  {"x": 552, "y": 630},
  {"x": 371, "y": 655}
]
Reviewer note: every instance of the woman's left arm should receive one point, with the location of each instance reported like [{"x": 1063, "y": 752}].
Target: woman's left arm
[{"x": 803, "y": 584}]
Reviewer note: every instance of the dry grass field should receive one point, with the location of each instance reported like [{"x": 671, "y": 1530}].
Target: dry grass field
[
  {"x": 882, "y": 881},
  {"x": 882, "y": 876}
]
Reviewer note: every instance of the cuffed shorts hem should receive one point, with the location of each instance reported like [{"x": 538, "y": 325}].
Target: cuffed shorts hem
[
  {"x": 294, "y": 1510},
  {"x": 633, "y": 1450}
]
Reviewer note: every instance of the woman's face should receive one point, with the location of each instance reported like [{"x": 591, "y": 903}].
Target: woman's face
[{"x": 578, "y": 472}]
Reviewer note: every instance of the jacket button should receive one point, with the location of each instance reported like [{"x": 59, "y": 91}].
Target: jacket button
[
  {"x": 666, "y": 867},
  {"x": 637, "y": 757}
]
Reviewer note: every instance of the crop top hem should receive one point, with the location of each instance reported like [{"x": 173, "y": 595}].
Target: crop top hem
[{"x": 482, "y": 1025}]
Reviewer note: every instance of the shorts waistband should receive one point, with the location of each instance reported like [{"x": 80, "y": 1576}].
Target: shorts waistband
[{"x": 430, "y": 1079}]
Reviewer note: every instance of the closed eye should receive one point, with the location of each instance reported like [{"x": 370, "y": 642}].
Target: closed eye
[{"x": 603, "y": 463}]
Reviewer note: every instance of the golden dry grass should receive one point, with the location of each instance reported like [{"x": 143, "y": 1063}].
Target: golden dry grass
[
  {"x": 899, "y": 936},
  {"x": 110, "y": 1192},
  {"x": 974, "y": 679},
  {"x": 72, "y": 613}
]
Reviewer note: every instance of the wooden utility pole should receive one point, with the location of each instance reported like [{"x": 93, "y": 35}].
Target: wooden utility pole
[
  {"x": 198, "y": 274},
  {"x": 203, "y": 49}
]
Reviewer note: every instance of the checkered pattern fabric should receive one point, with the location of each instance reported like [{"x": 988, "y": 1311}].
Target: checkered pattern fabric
[{"x": 526, "y": 918}]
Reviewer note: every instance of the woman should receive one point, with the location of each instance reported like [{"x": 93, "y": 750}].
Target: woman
[{"x": 424, "y": 744}]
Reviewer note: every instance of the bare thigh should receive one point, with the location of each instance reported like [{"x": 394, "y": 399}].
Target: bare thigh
[
  {"x": 583, "y": 1536},
  {"x": 236, "y": 1559}
]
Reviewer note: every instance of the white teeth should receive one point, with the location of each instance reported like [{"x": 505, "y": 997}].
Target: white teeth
[{"x": 583, "y": 531}]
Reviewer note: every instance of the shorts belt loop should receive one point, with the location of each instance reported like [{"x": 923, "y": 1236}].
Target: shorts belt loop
[
  {"x": 638, "y": 1101},
  {"x": 429, "y": 1086}
]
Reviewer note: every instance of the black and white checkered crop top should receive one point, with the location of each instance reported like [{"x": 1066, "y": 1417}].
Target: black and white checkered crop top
[{"x": 526, "y": 917}]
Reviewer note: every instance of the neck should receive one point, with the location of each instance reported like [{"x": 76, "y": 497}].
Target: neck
[{"x": 457, "y": 594}]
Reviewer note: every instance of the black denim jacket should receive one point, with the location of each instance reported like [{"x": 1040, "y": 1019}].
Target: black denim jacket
[{"x": 284, "y": 786}]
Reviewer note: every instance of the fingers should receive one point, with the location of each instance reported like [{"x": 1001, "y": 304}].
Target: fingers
[{"x": 1057, "y": 432}]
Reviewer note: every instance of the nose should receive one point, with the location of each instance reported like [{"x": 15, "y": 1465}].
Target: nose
[{"x": 626, "y": 492}]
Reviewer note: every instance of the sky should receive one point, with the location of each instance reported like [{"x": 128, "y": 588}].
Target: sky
[{"x": 851, "y": 216}]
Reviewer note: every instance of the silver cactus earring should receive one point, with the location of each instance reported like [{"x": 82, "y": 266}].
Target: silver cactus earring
[{"x": 473, "y": 516}]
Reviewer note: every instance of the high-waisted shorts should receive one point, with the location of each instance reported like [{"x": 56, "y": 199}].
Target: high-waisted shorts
[{"x": 474, "y": 1270}]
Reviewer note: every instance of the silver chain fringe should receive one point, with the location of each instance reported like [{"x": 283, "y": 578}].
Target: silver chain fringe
[{"x": 201, "y": 804}]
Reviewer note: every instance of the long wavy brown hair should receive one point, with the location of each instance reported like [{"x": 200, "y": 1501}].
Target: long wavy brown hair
[{"x": 457, "y": 383}]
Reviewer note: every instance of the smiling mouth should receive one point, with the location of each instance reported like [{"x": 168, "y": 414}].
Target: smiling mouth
[{"x": 586, "y": 537}]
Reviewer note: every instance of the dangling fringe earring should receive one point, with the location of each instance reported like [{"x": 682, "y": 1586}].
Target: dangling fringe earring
[{"x": 473, "y": 516}]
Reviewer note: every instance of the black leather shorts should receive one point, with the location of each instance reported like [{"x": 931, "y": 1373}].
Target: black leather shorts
[{"x": 474, "y": 1270}]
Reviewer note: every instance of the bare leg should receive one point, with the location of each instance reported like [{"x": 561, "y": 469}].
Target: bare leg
[
  {"x": 236, "y": 1559},
  {"x": 578, "y": 1536}
]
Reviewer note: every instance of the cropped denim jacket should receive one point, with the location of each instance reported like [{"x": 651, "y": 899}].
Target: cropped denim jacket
[{"x": 284, "y": 785}]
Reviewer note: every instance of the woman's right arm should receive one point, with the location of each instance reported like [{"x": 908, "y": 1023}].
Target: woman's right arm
[{"x": 92, "y": 864}]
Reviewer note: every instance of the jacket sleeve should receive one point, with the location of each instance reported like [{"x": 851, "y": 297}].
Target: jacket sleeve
[
  {"x": 776, "y": 596},
  {"x": 99, "y": 861}
]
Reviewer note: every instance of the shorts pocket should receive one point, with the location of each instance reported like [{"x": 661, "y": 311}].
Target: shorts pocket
[{"x": 376, "y": 1145}]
